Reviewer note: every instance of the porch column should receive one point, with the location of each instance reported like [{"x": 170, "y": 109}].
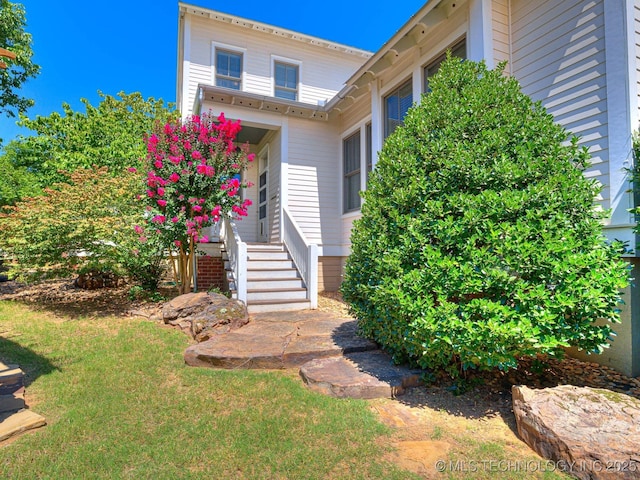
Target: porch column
[
  {"x": 480, "y": 41},
  {"x": 284, "y": 174}
]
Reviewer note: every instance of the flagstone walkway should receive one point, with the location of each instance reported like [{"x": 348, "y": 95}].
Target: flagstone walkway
[{"x": 331, "y": 357}]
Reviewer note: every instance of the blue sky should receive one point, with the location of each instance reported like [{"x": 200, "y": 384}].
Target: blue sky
[{"x": 115, "y": 45}]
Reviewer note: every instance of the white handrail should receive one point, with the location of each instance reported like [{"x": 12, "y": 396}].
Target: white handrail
[
  {"x": 303, "y": 253},
  {"x": 237, "y": 253}
]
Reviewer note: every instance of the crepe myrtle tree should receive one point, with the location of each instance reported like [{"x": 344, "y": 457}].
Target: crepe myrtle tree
[
  {"x": 193, "y": 180},
  {"x": 479, "y": 241}
]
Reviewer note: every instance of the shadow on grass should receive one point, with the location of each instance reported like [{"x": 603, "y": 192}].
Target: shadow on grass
[
  {"x": 463, "y": 399},
  {"x": 31, "y": 363}
]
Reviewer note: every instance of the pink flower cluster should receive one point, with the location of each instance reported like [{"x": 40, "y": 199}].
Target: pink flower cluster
[{"x": 193, "y": 177}]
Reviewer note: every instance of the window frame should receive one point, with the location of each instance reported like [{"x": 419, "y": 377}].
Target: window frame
[
  {"x": 288, "y": 62},
  {"x": 408, "y": 83},
  {"x": 241, "y": 52},
  {"x": 368, "y": 148},
  {"x": 355, "y": 172}
]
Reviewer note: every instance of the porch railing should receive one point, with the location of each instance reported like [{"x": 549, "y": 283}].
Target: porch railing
[
  {"x": 237, "y": 254},
  {"x": 304, "y": 255}
]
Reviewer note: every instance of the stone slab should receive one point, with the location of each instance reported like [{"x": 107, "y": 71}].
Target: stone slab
[
  {"x": 253, "y": 346},
  {"x": 595, "y": 431},
  {"x": 13, "y": 402},
  {"x": 328, "y": 326},
  {"x": 19, "y": 422},
  {"x": 11, "y": 380},
  {"x": 305, "y": 348},
  {"x": 359, "y": 375}
]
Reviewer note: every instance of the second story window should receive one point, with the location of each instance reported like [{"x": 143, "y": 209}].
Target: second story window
[
  {"x": 286, "y": 81},
  {"x": 228, "y": 69}
]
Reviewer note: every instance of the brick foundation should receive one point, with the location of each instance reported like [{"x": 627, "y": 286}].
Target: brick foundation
[{"x": 210, "y": 273}]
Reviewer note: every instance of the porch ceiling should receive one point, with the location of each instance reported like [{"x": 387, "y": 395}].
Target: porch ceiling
[{"x": 252, "y": 135}]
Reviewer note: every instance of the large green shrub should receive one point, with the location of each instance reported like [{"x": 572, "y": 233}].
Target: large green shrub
[
  {"x": 479, "y": 241},
  {"x": 83, "y": 225}
]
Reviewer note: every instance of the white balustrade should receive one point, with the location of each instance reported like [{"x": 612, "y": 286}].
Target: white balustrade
[
  {"x": 237, "y": 255},
  {"x": 304, "y": 255}
]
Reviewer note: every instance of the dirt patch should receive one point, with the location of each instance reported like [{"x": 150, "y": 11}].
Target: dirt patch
[{"x": 63, "y": 298}]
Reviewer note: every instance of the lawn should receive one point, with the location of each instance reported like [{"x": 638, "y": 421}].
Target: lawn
[{"x": 120, "y": 403}]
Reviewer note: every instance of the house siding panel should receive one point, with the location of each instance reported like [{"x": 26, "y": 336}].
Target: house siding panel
[
  {"x": 636, "y": 17},
  {"x": 500, "y": 20},
  {"x": 356, "y": 113},
  {"x": 314, "y": 194},
  {"x": 330, "y": 271},
  {"x": 322, "y": 71},
  {"x": 558, "y": 58}
]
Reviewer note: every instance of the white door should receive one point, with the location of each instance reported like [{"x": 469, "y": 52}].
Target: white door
[{"x": 263, "y": 196}]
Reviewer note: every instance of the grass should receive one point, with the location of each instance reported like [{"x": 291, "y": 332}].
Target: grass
[{"x": 120, "y": 403}]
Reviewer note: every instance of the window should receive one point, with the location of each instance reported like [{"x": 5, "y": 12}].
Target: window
[
  {"x": 228, "y": 69},
  {"x": 459, "y": 50},
  {"x": 351, "y": 162},
  {"x": 396, "y": 105},
  {"x": 286, "y": 81}
]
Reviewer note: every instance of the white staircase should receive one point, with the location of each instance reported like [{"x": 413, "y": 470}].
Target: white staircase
[{"x": 273, "y": 282}]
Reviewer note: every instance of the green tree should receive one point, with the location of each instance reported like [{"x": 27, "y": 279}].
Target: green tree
[
  {"x": 108, "y": 135},
  {"x": 14, "y": 38},
  {"x": 479, "y": 240},
  {"x": 83, "y": 225},
  {"x": 16, "y": 182}
]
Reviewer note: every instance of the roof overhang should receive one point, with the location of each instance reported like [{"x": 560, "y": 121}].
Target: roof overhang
[
  {"x": 270, "y": 29},
  {"x": 227, "y": 96},
  {"x": 408, "y": 36}
]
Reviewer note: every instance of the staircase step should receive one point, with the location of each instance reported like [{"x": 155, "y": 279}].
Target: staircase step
[
  {"x": 279, "y": 247},
  {"x": 266, "y": 273},
  {"x": 278, "y": 306},
  {"x": 273, "y": 264},
  {"x": 267, "y": 255},
  {"x": 20, "y": 422},
  {"x": 267, "y": 283},
  {"x": 276, "y": 294}
]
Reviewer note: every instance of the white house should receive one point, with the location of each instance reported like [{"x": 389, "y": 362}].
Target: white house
[{"x": 316, "y": 112}]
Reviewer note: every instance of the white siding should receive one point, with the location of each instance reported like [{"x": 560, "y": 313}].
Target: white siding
[
  {"x": 355, "y": 113},
  {"x": 637, "y": 43},
  {"x": 500, "y": 25},
  {"x": 322, "y": 71},
  {"x": 347, "y": 225},
  {"x": 314, "y": 182},
  {"x": 558, "y": 57},
  {"x": 275, "y": 159}
]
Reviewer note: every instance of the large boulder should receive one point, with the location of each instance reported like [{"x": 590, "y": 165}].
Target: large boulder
[
  {"x": 590, "y": 433},
  {"x": 203, "y": 315}
]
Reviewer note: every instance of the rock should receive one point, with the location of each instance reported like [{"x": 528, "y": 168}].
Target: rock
[
  {"x": 591, "y": 433},
  {"x": 203, "y": 315},
  {"x": 369, "y": 374}
]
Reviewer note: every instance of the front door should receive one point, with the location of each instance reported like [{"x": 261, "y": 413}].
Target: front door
[{"x": 263, "y": 196}]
